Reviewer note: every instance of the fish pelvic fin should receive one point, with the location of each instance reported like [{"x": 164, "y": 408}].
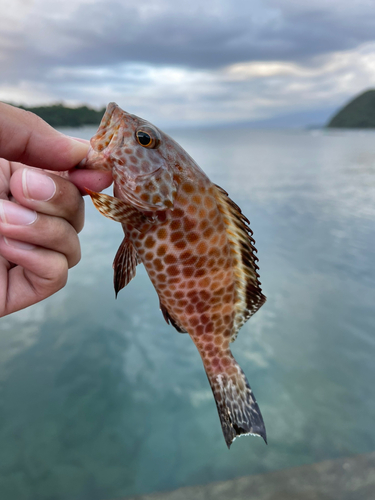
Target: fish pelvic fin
[
  {"x": 170, "y": 320},
  {"x": 124, "y": 265},
  {"x": 238, "y": 410},
  {"x": 120, "y": 211}
]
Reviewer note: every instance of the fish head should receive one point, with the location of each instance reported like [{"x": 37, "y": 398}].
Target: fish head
[{"x": 145, "y": 162}]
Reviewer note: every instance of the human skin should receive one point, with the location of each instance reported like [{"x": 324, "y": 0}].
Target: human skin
[{"x": 41, "y": 213}]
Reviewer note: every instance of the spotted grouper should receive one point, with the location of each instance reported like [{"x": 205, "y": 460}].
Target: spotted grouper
[{"x": 195, "y": 244}]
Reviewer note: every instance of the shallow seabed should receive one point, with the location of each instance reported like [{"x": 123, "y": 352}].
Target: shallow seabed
[{"x": 101, "y": 399}]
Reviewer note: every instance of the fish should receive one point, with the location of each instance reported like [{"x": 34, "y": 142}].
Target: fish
[{"x": 196, "y": 245}]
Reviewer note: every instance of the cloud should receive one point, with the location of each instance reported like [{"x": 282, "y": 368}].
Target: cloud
[
  {"x": 191, "y": 34},
  {"x": 194, "y": 34},
  {"x": 193, "y": 61}
]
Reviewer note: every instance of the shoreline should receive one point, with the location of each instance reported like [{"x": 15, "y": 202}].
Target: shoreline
[{"x": 351, "y": 478}]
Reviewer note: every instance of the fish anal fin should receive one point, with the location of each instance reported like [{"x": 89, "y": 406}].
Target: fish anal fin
[
  {"x": 168, "y": 318},
  {"x": 120, "y": 211},
  {"x": 124, "y": 265}
]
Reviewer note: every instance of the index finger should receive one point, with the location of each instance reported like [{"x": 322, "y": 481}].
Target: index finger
[{"x": 26, "y": 138}]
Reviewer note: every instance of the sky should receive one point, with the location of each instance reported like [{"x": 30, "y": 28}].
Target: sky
[{"x": 173, "y": 62}]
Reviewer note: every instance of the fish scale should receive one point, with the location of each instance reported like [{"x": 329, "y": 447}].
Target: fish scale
[{"x": 195, "y": 244}]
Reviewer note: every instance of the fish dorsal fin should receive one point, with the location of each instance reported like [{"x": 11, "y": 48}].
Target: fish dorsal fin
[
  {"x": 168, "y": 318},
  {"x": 124, "y": 265},
  {"x": 249, "y": 293}
]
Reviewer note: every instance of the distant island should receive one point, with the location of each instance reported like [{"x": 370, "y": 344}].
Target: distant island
[
  {"x": 358, "y": 113},
  {"x": 59, "y": 115}
]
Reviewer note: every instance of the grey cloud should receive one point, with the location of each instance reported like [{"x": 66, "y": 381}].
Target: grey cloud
[
  {"x": 198, "y": 35},
  {"x": 213, "y": 34},
  {"x": 102, "y": 51}
]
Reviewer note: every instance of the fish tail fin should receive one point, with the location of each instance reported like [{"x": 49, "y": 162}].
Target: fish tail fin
[{"x": 238, "y": 410}]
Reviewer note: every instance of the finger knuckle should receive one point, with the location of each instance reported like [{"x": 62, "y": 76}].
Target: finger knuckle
[
  {"x": 56, "y": 277},
  {"x": 62, "y": 274},
  {"x": 71, "y": 204},
  {"x": 76, "y": 257}
]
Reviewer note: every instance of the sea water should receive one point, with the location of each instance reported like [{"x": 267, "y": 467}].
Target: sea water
[{"x": 101, "y": 399}]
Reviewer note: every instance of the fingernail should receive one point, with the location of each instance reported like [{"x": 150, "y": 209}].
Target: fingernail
[
  {"x": 79, "y": 139},
  {"x": 36, "y": 186},
  {"x": 11, "y": 213},
  {"x": 79, "y": 149},
  {"x": 21, "y": 245}
]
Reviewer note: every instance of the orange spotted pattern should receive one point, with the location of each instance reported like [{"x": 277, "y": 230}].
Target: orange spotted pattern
[{"x": 195, "y": 244}]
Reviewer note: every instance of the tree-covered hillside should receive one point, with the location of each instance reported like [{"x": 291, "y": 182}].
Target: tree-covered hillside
[
  {"x": 358, "y": 113},
  {"x": 60, "y": 116}
]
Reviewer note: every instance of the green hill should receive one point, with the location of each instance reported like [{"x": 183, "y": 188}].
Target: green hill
[
  {"x": 358, "y": 113},
  {"x": 59, "y": 115}
]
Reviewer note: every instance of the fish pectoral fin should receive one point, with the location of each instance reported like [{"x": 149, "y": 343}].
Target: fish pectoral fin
[
  {"x": 168, "y": 318},
  {"x": 124, "y": 265},
  {"x": 120, "y": 211}
]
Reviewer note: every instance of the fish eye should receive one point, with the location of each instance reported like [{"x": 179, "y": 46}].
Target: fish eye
[
  {"x": 144, "y": 138},
  {"x": 147, "y": 138}
]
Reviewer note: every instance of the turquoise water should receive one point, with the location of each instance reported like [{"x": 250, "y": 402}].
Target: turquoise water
[{"x": 101, "y": 399}]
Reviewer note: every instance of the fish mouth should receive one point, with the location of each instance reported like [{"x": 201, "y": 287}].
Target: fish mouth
[
  {"x": 113, "y": 121},
  {"x": 113, "y": 117}
]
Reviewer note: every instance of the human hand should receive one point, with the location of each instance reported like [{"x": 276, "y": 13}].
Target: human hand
[{"x": 41, "y": 213}]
